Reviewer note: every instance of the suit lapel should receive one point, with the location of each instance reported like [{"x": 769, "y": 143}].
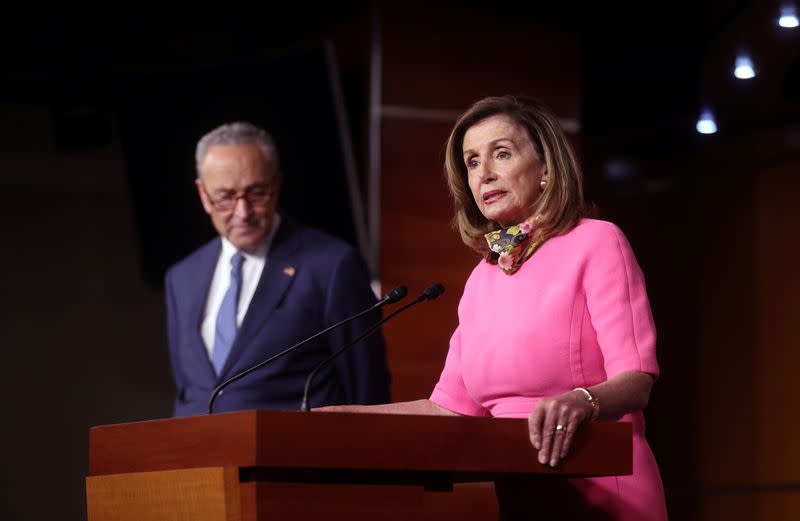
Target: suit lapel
[
  {"x": 276, "y": 278},
  {"x": 198, "y": 297}
]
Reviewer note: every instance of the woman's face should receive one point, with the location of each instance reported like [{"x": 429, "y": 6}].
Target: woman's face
[{"x": 503, "y": 169}]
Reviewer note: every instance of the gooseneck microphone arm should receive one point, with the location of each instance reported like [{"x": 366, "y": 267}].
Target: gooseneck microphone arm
[
  {"x": 430, "y": 293},
  {"x": 391, "y": 297}
]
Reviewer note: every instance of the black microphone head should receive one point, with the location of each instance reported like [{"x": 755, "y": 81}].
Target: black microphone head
[
  {"x": 433, "y": 291},
  {"x": 395, "y": 294}
]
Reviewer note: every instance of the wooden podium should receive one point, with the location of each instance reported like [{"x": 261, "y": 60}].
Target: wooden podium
[{"x": 255, "y": 465}]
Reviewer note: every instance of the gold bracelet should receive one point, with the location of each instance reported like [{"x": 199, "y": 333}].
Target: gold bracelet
[{"x": 593, "y": 400}]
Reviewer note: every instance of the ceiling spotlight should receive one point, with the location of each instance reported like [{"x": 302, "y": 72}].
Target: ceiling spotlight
[
  {"x": 744, "y": 68},
  {"x": 706, "y": 123},
  {"x": 788, "y": 16}
]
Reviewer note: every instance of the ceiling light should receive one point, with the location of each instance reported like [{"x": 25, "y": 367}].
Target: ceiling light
[
  {"x": 744, "y": 67},
  {"x": 788, "y": 16},
  {"x": 706, "y": 123}
]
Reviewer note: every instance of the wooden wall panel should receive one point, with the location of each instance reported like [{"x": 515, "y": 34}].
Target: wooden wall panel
[
  {"x": 750, "y": 505},
  {"x": 725, "y": 307},
  {"x": 747, "y": 458},
  {"x": 419, "y": 247},
  {"x": 778, "y": 332},
  {"x": 431, "y": 71},
  {"x": 450, "y": 57}
]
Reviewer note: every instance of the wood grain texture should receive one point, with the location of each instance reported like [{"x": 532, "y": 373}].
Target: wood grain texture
[
  {"x": 419, "y": 247},
  {"x": 466, "y": 448},
  {"x": 213, "y": 441},
  {"x": 201, "y": 494}
]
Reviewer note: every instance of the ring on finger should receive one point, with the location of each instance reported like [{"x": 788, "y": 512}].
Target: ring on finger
[{"x": 560, "y": 429}]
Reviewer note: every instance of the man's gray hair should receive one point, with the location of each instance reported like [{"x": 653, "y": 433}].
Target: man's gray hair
[{"x": 238, "y": 133}]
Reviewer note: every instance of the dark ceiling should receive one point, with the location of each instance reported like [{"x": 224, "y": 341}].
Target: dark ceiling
[
  {"x": 647, "y": 77},
  {"x": 646, "y": 71}
]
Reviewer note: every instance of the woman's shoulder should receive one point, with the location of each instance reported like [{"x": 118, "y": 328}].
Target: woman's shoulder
[
  {"x": 593, "y": 232},
  {"x": 595, "y": 226}
]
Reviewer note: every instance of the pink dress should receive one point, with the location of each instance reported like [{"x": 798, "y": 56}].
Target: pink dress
[{"x": 575, "y": 314}]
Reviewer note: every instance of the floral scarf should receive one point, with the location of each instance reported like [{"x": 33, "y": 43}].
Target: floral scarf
[{"x": 513, "y": 245}]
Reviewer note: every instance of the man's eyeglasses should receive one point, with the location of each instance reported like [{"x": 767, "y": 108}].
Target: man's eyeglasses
[{"x": 256, "y": 197}]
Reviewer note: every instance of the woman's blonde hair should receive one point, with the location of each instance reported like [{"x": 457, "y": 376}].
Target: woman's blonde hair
[{"x": 561, "y": 205}]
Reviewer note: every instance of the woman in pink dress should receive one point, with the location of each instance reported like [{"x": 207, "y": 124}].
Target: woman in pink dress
[{"x": 554, "y": 323}]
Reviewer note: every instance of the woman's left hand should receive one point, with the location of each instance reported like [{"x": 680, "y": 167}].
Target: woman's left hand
[{"x": 553, "y": 423}]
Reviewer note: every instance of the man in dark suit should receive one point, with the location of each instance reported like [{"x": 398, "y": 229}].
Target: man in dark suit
[{"x": 263, "y": 285}]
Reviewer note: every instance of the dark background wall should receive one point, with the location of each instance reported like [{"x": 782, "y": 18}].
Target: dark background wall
[{"x": 94, "y": 212}]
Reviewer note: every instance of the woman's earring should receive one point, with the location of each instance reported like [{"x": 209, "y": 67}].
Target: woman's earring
[{"x": 543, "y": 184}]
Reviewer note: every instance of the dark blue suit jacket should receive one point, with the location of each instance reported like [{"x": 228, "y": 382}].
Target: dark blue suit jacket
[{"x": 311, "y": 280}]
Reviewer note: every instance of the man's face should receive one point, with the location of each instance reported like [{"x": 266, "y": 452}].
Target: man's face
[{"x": 239, "y": 190}]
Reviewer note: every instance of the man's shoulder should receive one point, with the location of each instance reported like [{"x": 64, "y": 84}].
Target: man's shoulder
[
  {"x": 318, "y": 242},
  {"x": 197, "y": 259}
]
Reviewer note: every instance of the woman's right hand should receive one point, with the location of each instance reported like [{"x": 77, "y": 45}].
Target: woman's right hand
[{"x": 553, "y": 423}]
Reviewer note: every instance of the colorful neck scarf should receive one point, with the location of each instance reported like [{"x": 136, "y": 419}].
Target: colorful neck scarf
[{"x": 513, "y": 245}]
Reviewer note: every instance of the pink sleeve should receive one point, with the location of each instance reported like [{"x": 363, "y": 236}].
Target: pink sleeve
[
  {"x": 450, "y": 391},
  {"x": 619, "y": 308}
]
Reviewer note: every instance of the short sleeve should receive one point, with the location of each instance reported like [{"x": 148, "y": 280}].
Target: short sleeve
[
  {"x": 450, "y": 391},
  {"x": 619, "y": 307}
]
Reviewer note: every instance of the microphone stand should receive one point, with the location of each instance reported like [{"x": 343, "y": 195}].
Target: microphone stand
[
  {"x": 392, "y": 296},
  {"x": 430, "y": 293}
]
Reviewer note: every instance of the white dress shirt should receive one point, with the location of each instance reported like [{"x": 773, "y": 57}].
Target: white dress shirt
[{"x": 252, "y": 267}]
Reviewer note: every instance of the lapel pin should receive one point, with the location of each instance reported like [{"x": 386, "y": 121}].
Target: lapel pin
[{"x": 289, "y": 271}]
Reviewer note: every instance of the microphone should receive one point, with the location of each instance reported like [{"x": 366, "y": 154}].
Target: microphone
[
  {"x": 391, "y": 297},
  {"x": 394, "y": 295},
  {"x": 431, "y": 292}
]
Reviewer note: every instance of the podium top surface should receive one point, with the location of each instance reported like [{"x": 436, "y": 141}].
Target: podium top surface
[{"x": 328, "y": 441}]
